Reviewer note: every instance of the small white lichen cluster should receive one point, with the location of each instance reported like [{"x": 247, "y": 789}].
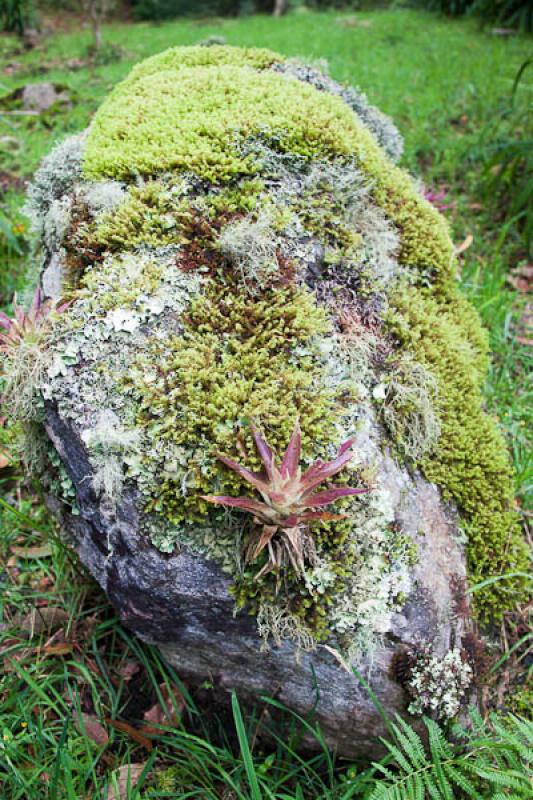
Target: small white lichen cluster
[
  {"x": 251, "y": 245},
  {"x": 406, "y": 399},
  {"x": 56, "y": 176},
  {"x": 275, "y": 620},
  {"x": 22, "y": 375},
  {"x": 102, "y": 197},
  {"x": 438, "y": 684},
  {"x": 109, "y": 445},
  {"x": 56, "y": 222}
]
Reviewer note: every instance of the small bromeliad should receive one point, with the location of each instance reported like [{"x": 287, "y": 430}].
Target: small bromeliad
[
  {"x": 27, "y": 325},
  {"x": 289, "y": 500}
]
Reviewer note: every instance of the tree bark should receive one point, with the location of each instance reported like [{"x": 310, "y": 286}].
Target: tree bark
[{"x": 280, "y": 7}]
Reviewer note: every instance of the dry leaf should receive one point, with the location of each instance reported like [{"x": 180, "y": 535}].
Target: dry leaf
[
  {"x": 460, "y": 248},
  {"x": 128, "y": 670},
  {"x": 43, "y": 619},
  {"x": 124, "y": 778},
  {"x": 521, "y": 278},
  {"x": 89, "y": 725},
  {"x": 168, "y": 714},
  {"x": 31, "y": 552},
  {"x": 4, "y": 460},
  {"x": 58, "y": 649},
  {"x": 132, "y": 732}
]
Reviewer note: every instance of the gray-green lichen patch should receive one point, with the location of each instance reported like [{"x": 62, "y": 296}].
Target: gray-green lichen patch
[{"x": 437, "y": 685}]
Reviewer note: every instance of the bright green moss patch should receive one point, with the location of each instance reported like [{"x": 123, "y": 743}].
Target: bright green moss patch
[
  {"x": 470, "y": 463},
  {"x": 176, "y": 58},
  {"x": 197, "y": 119},
  {"x": 176, "y": 117}
]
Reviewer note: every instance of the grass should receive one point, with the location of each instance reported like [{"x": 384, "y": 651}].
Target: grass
[{"x": 450, "y": 89}]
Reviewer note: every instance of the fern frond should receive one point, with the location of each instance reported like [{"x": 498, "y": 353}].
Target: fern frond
[{"x": 492, "y": 759}]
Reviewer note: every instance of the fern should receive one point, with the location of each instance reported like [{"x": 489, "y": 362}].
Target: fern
[{"x": 491, "y": 760}]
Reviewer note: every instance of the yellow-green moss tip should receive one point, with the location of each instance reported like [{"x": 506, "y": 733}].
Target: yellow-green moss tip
[
  {"x": 471, "y": 463},
  {"x": 193, "y": 109},
  {"x": 175, "y": 58}
]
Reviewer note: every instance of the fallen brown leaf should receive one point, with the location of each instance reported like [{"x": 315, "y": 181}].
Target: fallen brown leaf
[
  {"x": 167, "y": 714},
  {"x": 58, "y": 649},
  {"x": 125, "y": 778},
  {"x": 4, "y": 460},
  {"x": 521, "y": 278},
  {"x": 43, "y": 551},
  {"x": 42, "y": 619},
  {"x": 132, "y": 732},
  {"x": 89, "y": 725}
]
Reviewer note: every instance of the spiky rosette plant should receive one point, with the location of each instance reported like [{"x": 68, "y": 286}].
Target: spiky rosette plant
[
  {"x": 289, "y": 500},
  {"x": 26, "y": 326},
  {"x": 22, "y": 343}
]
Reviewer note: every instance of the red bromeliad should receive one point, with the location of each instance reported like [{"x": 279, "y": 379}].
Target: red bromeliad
[
  {"x": 26, "y": 325},
  {"x": 290, "y": 499}
]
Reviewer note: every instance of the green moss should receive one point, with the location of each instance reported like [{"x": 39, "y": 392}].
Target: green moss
[
  {"x": 470, "y": 463},
  {"x": 160, "y": 213},
  {"x": 196, "y": 118},
  {"x": 153, "y": 214},
  {"x": 176, "y": 58}
]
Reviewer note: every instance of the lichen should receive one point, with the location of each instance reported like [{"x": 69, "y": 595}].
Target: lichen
[
  {"x": 252, "y": 246},
  {"x": 407, "y": 399},
  {"x": 57, "y": 174},
  {"x": 437, "y": 684},
  {"x": 109, "y": 444}
]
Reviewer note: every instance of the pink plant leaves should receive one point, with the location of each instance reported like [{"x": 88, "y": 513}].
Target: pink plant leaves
[
  {"x": 291, "y": 459},
  {"x": 290, "y": 502}
]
